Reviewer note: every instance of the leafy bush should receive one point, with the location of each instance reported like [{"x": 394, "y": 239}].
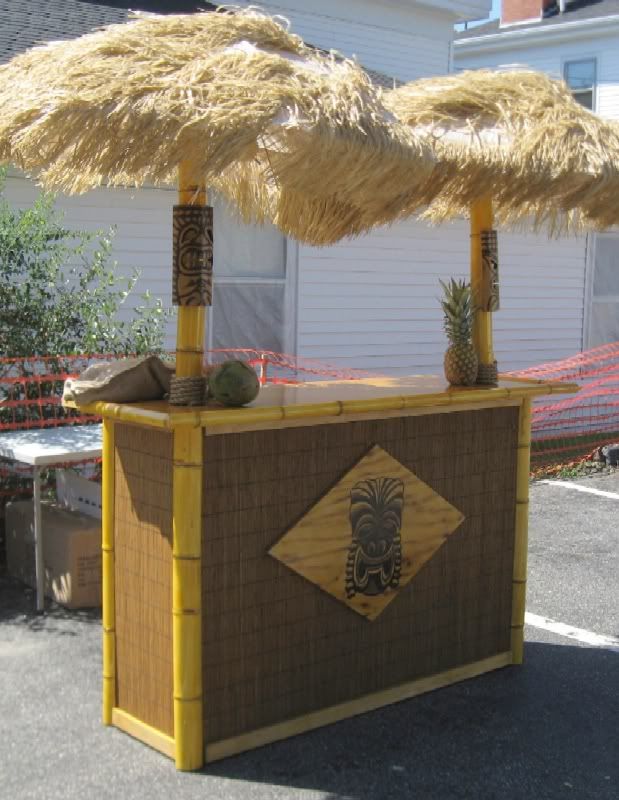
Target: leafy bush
[{"x": 59, "y": 290}]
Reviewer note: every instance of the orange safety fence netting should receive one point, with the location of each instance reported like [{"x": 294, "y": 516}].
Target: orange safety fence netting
[
  {"x": 282, "y": 368},
  {"x": 574, "y": 426},
  {"x": 31, "y": 391},
  {"x": 31, "y": 395},
  {"x": 563, "y": 429},
  {"x": 30, "y": 398}
]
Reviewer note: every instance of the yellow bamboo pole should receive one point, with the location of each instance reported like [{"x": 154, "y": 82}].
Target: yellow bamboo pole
[
  {"x": 481, "y": 219},
  {"x": 191, "y": 321},
  {"x": 107, "y": 568},
  {"x": 521, "y": 540},
  {"x": 187, "y": 597}
]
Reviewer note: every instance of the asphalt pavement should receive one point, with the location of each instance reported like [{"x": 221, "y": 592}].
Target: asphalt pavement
[{"x": 547, "y": 730}]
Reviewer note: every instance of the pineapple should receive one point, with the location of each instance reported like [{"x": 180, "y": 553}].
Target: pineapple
[{"x": 460, "y": 359}]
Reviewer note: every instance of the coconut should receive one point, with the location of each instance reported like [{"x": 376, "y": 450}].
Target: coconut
[{"x": 233, "y": 383}]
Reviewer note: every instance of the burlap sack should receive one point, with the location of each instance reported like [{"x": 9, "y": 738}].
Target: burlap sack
[{"x": 128, "y": 380}]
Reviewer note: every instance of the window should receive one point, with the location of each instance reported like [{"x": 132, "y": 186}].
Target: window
[
  {"x": 580, "y": 77},
  {"x": 251, "y": 297},
  {"x": 604, "y": 309}
]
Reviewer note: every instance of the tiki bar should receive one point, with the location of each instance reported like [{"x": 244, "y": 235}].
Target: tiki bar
[{"x": 330, "y": 547}]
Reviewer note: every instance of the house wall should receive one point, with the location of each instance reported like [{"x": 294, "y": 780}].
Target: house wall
[
  {"x": 373, "y": 302},
  {"x": 403, "y": 41}
]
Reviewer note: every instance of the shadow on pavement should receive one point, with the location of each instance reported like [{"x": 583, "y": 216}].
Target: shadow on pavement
[
  {"x": 18, "y": 607},
  {"x": 545, "y": 730},
  {"x": 542, "y": 731}
]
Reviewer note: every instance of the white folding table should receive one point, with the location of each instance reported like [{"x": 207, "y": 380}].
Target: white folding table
[{"x": 47, "y": 447}]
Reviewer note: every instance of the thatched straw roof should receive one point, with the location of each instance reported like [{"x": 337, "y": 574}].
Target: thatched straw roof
[
  {"x": 299, "y": 137},
  {"x": 520, "y": 137},
  {"x": 287, "y": 132},
  {"x": 516, "y": 136}
]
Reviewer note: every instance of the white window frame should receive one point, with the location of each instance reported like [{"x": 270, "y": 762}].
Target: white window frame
[
  {"x": 590, "y": 299},
  {"x": 579, "y": 60},
  {"x": 290, "y": 283}
]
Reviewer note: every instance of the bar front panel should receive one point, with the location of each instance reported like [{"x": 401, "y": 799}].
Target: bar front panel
[{"x": 276, "y": 646}]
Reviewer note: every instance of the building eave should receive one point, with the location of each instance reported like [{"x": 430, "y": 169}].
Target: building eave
[
  {"x": 461, "y": 9},
  {"x": 546, "y": 34}
]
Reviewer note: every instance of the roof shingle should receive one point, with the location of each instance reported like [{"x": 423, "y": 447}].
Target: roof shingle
[{"x": 26, "y": 23}]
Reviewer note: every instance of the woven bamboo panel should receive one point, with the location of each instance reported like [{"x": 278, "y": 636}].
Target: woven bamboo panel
[
  {"x": 275, "y": 645},
  {"x": 143, "y": 543}
]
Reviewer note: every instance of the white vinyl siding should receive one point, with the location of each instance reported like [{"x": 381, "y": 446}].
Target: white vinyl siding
[
  {"x": 373, "y": 302},
  {"x": 402, "y": 44}
]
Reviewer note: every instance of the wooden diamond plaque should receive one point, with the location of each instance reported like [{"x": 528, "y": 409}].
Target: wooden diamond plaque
[{"x": 366, "y": 539}]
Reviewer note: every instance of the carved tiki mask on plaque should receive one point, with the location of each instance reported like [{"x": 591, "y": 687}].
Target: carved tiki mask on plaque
[{"x": 375, "y": 556}]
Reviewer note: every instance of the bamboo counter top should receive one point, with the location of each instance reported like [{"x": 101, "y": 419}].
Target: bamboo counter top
[{"x": 329, "y": 401}]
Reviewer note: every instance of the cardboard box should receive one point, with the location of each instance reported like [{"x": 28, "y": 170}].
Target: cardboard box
[
  {"x": 71, "y": 552},
  {"x": 78, "y": 494}
]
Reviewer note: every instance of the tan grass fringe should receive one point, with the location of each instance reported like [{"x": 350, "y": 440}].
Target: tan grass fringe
[
  {"x": 275, "y": 125},
  {"x": 301, "y": 138},
  {"x": 520, "y": 137}
]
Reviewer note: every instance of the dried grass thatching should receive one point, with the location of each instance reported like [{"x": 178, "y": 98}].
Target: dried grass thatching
[
  {"x": 520, "y": 137},
  {"x": 287, "y": 133}
]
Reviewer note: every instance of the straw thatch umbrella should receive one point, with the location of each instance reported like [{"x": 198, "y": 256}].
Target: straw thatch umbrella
[
  {"x": 520, "y": 136},
  {"x": 228, "y": 99},
  {"x": 514, "y": 144}
]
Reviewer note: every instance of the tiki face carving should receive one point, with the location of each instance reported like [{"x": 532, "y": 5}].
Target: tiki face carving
[
  {"x": 193, "y": 255},
  {"x": 375, "y": 554}
]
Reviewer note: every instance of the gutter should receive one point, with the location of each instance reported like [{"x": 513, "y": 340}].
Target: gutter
[
  {"x": 464, "y": 10},
  {"x": 547, "y": 34}
]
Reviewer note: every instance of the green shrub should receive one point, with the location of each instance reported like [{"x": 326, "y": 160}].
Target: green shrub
[{"x": 60, "y": 292}]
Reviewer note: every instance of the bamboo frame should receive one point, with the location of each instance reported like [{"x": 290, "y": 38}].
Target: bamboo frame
[
  {"x": 519, "y": 576},
  {"x": 481, "y": 219},
  {"x": 145, "y": 733},
  {"x": 191, "y": 322},
  {"x": 108, "y": 579},
  {"x": 160, "y": 415},
  {"x": 187, "y": 598}
]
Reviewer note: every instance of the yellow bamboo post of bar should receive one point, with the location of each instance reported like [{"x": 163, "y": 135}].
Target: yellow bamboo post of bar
[
  {"x": 521, "y": 539},
  {"x": 191, "y": 324},
  {"x": 107, "y": 577},
  {"x": 187, "y": 597},
  {"x": 481, "y": 220}
]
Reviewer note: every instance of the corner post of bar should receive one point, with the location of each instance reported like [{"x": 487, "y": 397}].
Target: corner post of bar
[
  {"x": 191, "y": 322},
  {"x": 107, "y": 568},
  {"x": 521, "y": 539},
  {"x": 481, "y": 220},
  {"x": 187, "y": 597}
]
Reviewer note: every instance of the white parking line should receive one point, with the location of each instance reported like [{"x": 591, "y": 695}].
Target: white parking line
[
  {"x": 578, "y": 488},
  {"x": 581, "y": 635}
]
